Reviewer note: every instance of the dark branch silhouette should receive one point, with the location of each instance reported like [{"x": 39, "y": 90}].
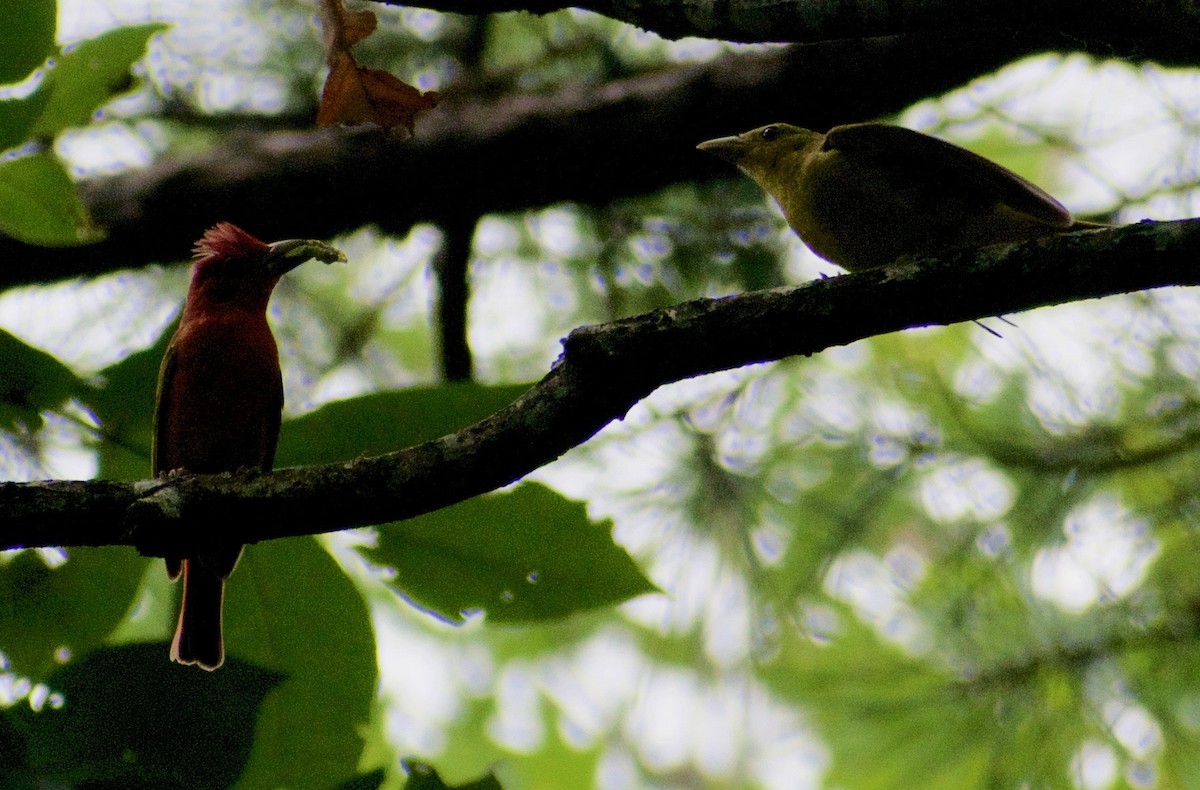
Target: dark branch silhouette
[
  {"x": 451, "y": 268},
  {"x": 604, "y": 370},
  {"x": 477, "y": 156},
  {"x": 1163, "y": 31}
]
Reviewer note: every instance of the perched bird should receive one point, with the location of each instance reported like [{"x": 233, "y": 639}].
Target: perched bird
[
  {"x": 220, "y": 397},
  {"x": 864, "y": 194}
]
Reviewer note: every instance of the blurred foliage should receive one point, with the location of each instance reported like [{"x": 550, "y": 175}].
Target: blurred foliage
[
  {"x": 292, "y": 609},
  {"x": 29, "y": 37},
  {"x": 939, "y": 558},
  {"x": 31, "y": 382},
  {"x": 38, "y": 202},
  {"x": 101, "y": 732},
  {"x": 523, "y": 556},
  {"x": 49, "y": 614}
]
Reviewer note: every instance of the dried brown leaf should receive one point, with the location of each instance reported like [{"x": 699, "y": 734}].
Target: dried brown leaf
[
  {"x": 355, "y": 95},
  {"x": 357, "y": 25}
]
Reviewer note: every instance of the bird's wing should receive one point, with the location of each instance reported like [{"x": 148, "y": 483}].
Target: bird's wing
[
  {"x": 274, "y": 418},
  {"x": 158, "y": 440},
  {"x": 954, "y": 168}
]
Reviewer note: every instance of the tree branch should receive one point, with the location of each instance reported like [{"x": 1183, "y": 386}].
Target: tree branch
[
  {"x": 1165, "y": 31},
  {"x": 593, "y": 146},
  {"x": 451, "y": 267},
  {"x": 603, "y": 372}
]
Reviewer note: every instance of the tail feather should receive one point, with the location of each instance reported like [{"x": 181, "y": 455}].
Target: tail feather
[{"x": 198, "y": 635}]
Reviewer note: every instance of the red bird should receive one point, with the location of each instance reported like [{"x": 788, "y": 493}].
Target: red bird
[{"x": 220, "y": 397}]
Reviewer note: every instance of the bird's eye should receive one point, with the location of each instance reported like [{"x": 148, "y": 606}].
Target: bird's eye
[{"x": 769, "y": 133}]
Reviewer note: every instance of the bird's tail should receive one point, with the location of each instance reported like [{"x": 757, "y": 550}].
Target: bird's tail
[{"x": 198, "y": 637}]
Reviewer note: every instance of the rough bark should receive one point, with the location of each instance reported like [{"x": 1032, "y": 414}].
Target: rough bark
[
  {"x": 603, "y": 372},
  {"x": 1162, "y": 31}
]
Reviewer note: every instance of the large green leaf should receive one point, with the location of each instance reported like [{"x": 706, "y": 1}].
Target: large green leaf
[
  {"x": 423, "y": 776},
  {"x": 74, "y": 606},
  {"x": 31, "y": 382},
  {"x": 39, "y": 204},
  {"x": 88, "y": 75},
  {"x": 26, "y": 37},
  {"x": 125, "y": 409},
  {"x": 133, "y": 719},
  {"x": 291, "y": 608},
  {"x": 15, "y": 772},
  {"x": 522, "y": 556},
  {"x": 387, "y": 421},
  {"x": 368, "y": 781}
]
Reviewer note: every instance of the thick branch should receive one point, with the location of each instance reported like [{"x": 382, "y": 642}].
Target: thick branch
[
  {"x": 603, "y": 372},
  {"x": 624, "y": 138},
  {"x": 1165, "y": 31}
]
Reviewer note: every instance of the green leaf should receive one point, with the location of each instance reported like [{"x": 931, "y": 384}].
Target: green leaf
[
  {"x": 387, "y": 421},
  {"x": 125, "y": 408},
  {"x": 74, "y": 606},
  {"x": 423, "y": 776},
  {"x": 290, "y": 607},
  {"x": 31, "y": 382},
  {"x": 39, "y": 203},
  {"x": 27, "y": 36},
  {"x": 135, "y": 720},
  {"x": 523, "y": 556},
  {"x": 88, "y": 75},
  {"x": 153, "y": 616},
  {"x": 17, "y": 117},
  {"x": 15, "y": 772},
  {"x": 80, "y": 82},
  {"x": 369, "y": 781}
]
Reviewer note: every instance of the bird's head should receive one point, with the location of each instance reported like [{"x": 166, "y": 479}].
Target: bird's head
[
  {"x": 233, "y": 266},
  {"x": 759, "y": 151}
]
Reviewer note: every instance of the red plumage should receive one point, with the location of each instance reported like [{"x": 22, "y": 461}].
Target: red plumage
[
  {"x": 220, "y": 397},
  {"x": 227, "y": 240}
]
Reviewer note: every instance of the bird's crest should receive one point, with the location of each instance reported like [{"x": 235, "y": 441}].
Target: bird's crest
[{"x": 226, "y": 240}]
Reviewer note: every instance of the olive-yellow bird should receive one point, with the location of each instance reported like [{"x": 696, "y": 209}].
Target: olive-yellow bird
[{"x": 865, "y": 194}]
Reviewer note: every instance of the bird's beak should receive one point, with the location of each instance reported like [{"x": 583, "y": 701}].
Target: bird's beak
[
  {"x": 287, "y": 255},
  {"x": 731, "y": 149}
]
